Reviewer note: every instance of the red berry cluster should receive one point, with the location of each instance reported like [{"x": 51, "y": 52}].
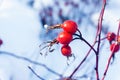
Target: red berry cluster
[
  {"x": 111, "y": 36},
  {"x": 1, "y": 42},
  {"x": 65, "y": 37},
  {"x": 114, "y": 41},
  {"x": 114, "y": 47}
]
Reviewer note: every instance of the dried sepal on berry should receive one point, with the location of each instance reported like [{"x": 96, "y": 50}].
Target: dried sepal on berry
[
  {"x": 68, "y": 26},
  {"x": 57, "y": 26},
  {"x": 67, "y": 52},
  {"x": 47, "y": 46}
]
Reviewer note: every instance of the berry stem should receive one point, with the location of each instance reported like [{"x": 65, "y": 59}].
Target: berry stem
[
  {"x": 89, "y": 45},
  {"x": 84, "y": 57},
  {"x": 81, "y": 62},
  {"x": 91, "y": 48},
  {"x": 81, "y": 38}
]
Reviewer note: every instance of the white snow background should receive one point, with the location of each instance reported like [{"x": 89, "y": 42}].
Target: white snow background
[{"x": 20, "y": 29}]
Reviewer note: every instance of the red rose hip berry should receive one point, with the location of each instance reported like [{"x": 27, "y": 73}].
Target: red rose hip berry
[
  {"x": 118, "y": 39},
  {"x": 64, "y": 38},
  {"x": 69, "y": 26},
  {"x": 66, "y": 50},
  {"x": 114, "y": 47},
  {"x": 111, "y": 36},
  {"x": 1, "y": 42}
]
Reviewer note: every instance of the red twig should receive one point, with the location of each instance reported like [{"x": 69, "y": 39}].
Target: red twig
[
  {"x": 108, "y": 65},
  {"x": 98, "y": 34},
  {"x": 118, "y": 31},
  {"x": 99, "y": 37},
  {"x": 111, "y": 54},
  {"x": 84, "y": 57}
]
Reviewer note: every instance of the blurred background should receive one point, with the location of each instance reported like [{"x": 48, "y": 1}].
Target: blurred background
[{"x": 23, "y": 28}]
